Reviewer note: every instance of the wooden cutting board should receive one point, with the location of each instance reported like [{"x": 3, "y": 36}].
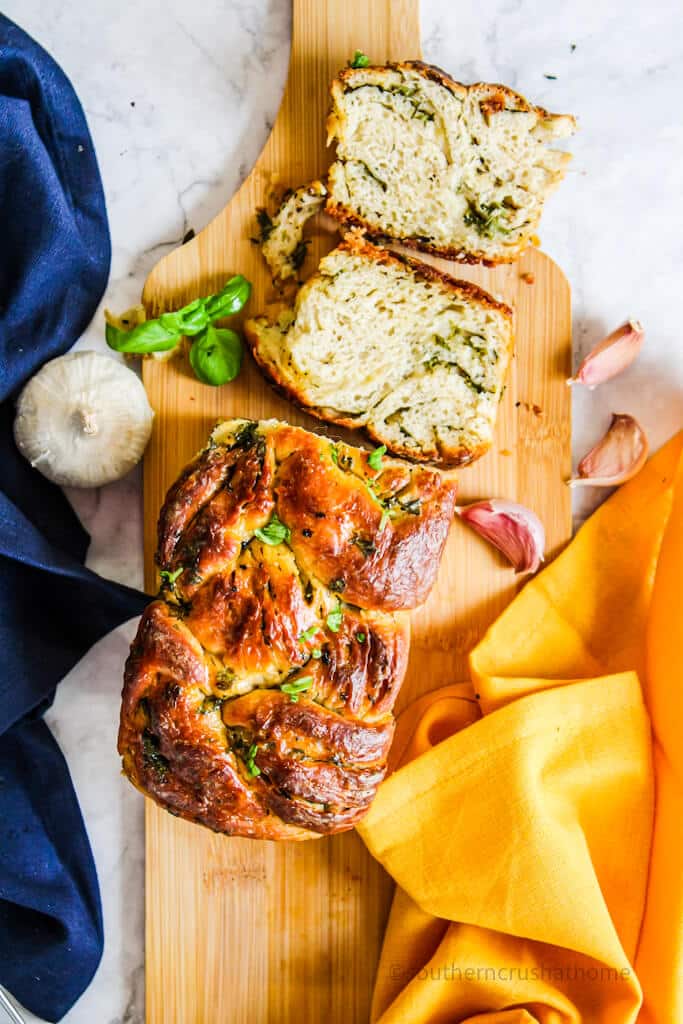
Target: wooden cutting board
[{"x": 256, "y": 932}]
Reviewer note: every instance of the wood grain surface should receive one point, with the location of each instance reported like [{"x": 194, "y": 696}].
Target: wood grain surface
[{"x": 244, "y": 932}]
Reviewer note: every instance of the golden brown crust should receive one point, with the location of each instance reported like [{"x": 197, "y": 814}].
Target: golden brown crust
[
  {"x": 356, "y": 244},
  {"x": 450, "y": 458},
  {"x": 206, "y": 729},
  {"x": 499, "y": 98},
  {"x": 373, "y": 562}
]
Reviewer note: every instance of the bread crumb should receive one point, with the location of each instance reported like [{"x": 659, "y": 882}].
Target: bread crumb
[
  {"x": 528, "y": 277},
  {"x": 505, "y": 451},
  {"x": 535, "y": 409},
  {"x": 281, "y": 236}
]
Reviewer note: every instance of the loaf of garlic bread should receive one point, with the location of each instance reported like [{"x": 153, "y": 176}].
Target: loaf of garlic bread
[
  {"x": 259, "y": 690},
  {"x": 379, "y": 341},
  {"x": 460, "y": 171}
]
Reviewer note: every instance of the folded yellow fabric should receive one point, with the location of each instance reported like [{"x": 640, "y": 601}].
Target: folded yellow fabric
[{"x": 536, "y": 834}]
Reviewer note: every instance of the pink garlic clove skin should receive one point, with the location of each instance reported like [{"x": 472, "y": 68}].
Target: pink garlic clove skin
[
  {"x": 616, "y": 458},
  {"x": 514, "y": 529},
  {"x": 611, "y": 356}
]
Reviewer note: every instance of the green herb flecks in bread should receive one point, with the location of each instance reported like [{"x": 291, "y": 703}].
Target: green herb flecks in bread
[
  {"x": 389, "y": 344},
  {"x": 282, "y": 242},
  {"x": 461, "y": 171},
  {"x": 259, "y": 691}
]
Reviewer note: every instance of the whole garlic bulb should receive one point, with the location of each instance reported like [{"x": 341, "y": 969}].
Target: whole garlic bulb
[{"x": 83, "y": 420}]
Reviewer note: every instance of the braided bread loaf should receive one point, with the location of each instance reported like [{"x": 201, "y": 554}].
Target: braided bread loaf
[{"x": 258, "y": 692}]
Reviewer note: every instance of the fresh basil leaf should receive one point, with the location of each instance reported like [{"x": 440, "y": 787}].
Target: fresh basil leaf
[
  {"x": 334, "y": 619},
  {"x": 370, "y": 488},
  {"x": 308, "y": 634},
  {"x": 150, "y": 336},
  {"x": 359, "y": 60},
  {"x": 273, "y": 532},
  {"x": 297, "y": 685},
  {"x": 375, "y": 458},
  {"x": 252, "y": 767},
  {"x": 229, "y": 300},
  {"x": 170, "y": 577},
  {"x": 191, "y": 319},
  {"x": 216, "y": 355}
]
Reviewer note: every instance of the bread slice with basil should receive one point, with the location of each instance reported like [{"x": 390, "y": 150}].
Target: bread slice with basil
[
  {"x": 282, "y": 236},
  {"x": 388, "y": 344},
  {"x": 460, "y": 171}
]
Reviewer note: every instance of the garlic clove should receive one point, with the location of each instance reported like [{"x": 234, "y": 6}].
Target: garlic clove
[
  {"x": 514, "y": 529},
  {"x": 84, "y": 420},
  {"x": 610, "y": 356},
  {"x": 616, "y": 458},
  {"x": 128, "y": 320}
]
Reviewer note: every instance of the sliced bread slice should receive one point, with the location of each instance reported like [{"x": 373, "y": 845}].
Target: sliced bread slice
[
  {"x": 460, "y": 171},
  {"x": 389, "y": 344},
  {"x": 282, "y": 236}
]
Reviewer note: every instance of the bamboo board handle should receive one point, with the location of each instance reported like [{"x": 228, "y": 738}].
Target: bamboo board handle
[
  {"x": 243, "y": 932},
  {"x": 325, "y": 34}
]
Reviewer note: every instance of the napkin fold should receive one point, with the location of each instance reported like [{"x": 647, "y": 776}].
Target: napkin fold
[
  {"x": 54, "y": 264},
  {"x": 534, "y": 824}
]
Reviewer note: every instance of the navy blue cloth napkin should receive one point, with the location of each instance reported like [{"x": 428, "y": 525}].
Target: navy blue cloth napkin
[{"x": 54, "y": 264}]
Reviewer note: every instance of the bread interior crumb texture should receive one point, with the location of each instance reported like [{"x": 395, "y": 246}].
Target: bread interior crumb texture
[
  {"x": 419, "y": 363},
  {"x": 463, "y": 169}
]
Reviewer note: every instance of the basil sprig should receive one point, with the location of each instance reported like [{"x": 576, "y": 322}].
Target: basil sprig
[
  {"x": 359, "y": 60},
  {"x": 170, "y": 577},
  {"x": 308, "y": 634},
  {"x": 216, "y": 353},
  {"x": 375, "y": 457},
  {"x": 296, "y": 687},
  {"x": 252, "y": 767},
  {"x": 335, "y": 618},
  {"x": 274, "y": 532}
]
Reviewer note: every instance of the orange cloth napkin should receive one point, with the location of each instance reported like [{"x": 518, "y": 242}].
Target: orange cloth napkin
[{"x": 536, "y": 833}]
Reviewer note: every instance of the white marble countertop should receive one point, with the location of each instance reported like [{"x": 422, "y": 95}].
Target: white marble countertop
[{"x": 180, "y": 96}]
